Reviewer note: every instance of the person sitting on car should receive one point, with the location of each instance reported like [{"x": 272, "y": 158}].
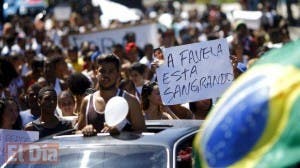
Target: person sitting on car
[
  {"x": 91, "y": 118},
  {"x": 152, "y": 105},
  {"x": 48, "y": 123},
  {"x": 154, "y": 109}
]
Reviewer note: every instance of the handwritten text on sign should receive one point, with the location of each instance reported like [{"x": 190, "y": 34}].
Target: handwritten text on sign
[{"x": 195, "y": 71}]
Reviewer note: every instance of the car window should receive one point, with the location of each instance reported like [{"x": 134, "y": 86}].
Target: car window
[
  {"x": 121, "y": 156},
  {"x": 184, "y": 152}
]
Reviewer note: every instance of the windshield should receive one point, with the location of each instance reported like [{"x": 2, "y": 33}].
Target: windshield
[{"x": 122, "y": 156}]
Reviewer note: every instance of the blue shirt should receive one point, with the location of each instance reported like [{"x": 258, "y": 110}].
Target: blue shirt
[{"x": 27, "y": 117}]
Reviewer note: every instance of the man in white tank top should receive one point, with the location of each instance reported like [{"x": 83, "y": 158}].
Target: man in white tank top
[{"x": 92, "y": 108}]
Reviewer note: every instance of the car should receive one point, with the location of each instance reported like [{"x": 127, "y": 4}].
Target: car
[{"x": 165, "y": 144}]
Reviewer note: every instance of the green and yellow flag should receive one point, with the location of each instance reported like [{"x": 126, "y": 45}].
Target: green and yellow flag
[{"x": 256, "y": 123}]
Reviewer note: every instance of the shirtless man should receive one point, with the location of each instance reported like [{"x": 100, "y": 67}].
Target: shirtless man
[{"x": 91, "y": 118}]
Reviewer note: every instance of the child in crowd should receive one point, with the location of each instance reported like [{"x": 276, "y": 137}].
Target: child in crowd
[
  {"x": 137, "y": 73},
  {"x": 66, "y": 103}
]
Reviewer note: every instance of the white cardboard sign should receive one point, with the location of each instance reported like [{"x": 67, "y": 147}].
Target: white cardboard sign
[
  {"x": 251, "y": 18},
  {"x": 195, "y": 71},
  {"x": 62, "y": 13},
  {"x": 144, "y": 34}
]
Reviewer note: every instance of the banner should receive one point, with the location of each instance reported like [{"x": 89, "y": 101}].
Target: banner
[
  {"x": 123, "y": 15},
  {"x": 144, "y": 34},
  {"x": 62, "y": 13},
  {"x": 195, "y": 71},
  {"x": 7, "y": 136},
  {"x": 251, "y": 18}
]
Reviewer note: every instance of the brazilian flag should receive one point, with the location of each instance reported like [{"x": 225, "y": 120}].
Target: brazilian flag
[{"x": 256, "y": 123}]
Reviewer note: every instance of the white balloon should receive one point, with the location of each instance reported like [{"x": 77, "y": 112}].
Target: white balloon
[{"x": 116, "y": 111}]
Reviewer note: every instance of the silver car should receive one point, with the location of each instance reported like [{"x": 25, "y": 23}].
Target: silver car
[{"x": 165, "y": 144}]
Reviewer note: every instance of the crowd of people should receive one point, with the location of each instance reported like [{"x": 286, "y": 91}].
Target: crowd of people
[{"x": 43, "y": 78}]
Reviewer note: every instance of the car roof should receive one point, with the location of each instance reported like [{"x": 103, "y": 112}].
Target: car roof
[{"x": 159, "y": 132}]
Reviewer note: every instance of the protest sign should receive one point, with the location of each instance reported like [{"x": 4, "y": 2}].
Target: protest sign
[
  {"x": 7, "y": 136},
  {"x": 195, "y": 71},
  {"x": 62, "y": 13},
  {"x": 144, "y": 34},
  {"x": 251, "y": 18}
]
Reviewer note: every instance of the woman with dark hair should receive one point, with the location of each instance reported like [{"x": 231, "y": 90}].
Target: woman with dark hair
[
  {"x": 152, "y": 104},
  {"x": 9, "y": 114}
]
